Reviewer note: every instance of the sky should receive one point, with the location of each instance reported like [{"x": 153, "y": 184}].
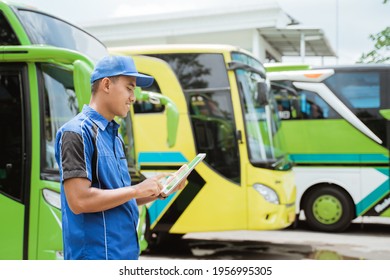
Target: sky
[{"x": 347, "y": 23}]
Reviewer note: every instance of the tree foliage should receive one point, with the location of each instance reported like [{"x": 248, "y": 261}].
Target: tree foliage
[{"x": 381, "y": 51}]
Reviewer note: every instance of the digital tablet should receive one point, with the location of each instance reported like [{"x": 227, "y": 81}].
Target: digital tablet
[{"x": 171, "y": 185}]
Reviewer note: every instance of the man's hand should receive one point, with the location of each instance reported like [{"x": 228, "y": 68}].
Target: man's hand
[
  {"x": 150, "y": 187},
  {"x": 181, "y": 184}
]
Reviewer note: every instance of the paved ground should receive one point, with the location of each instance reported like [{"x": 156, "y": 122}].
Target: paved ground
[{"x": 366, "y": 240}]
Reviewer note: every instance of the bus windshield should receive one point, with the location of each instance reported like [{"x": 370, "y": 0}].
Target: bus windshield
[
  {"x": 261, "y": 117},
  {"x": 44, "y": 29}
]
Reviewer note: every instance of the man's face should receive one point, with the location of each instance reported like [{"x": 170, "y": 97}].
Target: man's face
[{"x": 122, "y": 95}]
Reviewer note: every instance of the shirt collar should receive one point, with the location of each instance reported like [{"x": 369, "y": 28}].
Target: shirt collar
[{"x": 98, "y": 119}]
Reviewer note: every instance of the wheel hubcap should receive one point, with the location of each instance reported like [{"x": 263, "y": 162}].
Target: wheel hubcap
[{"x": 327, "y": 209}]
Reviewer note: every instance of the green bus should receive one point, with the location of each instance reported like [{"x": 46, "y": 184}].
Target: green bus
[
  {"x": 45, "y": 67},
  {"x": 337, "y": 128},
  {"x": 45, "y": 64}
]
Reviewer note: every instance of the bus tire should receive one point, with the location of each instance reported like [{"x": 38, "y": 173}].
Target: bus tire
[{"x": 328, "y": 209}]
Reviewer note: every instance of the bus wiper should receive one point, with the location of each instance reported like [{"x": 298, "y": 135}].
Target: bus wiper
[
  {"x": 277, "y": 162},
  {"x": 238, "y": 65}
]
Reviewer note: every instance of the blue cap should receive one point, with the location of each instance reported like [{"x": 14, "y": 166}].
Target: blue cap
[{"x": 110, "y": 66}]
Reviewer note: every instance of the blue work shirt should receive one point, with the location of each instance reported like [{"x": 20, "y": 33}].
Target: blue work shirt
[{"x": 88, "y": 146}]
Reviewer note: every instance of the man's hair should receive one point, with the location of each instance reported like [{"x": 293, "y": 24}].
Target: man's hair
[{"x": 95, "y": 84}]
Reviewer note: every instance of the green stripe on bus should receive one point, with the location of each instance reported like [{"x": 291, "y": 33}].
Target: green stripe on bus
[{"x": 339, "y": 158}]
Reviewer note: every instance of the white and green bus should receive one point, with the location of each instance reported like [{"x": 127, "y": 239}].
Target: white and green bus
[{"x": 337, "y": 129}]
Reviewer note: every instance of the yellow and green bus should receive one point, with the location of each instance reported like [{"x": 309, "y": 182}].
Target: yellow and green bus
[
  {"x": 226, "y": 111},
  {"x": 337, "y": 128}
]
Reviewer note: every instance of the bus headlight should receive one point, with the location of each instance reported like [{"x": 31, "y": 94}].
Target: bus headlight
[
  {"x": 269, "y": 194},
  {"x": 52, "y": 197}
]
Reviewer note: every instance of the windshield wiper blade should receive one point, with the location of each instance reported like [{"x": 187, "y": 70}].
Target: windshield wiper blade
[{"x": 238, "y": 65}]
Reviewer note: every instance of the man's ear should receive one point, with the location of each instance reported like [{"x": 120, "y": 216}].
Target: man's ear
[{"x": 105, "y": 84}]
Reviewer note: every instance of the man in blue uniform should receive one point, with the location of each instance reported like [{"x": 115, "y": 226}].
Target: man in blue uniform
[{"x": 99, "y": 205}]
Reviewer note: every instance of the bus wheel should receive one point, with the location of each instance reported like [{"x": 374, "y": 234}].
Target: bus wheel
[{"x": 328, "y": 209}]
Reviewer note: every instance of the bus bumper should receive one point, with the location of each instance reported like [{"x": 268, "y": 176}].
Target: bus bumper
[{"x": 277, "y": 217}]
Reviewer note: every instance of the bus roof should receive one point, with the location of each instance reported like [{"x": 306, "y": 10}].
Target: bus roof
[
  {"x": 272, "y": 67},
  {"x": 356, "y": 67},
  {"x": 18, "y": 5},
  {"x": 312, "y": 75},
  {"x": 32, "y": 26}
]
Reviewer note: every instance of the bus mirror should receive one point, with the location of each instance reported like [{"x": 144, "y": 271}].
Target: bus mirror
[
  {"x": 172, "y": 123},
  {"x": 81, "y": 77},
  {"x": 262, "y": 94}
]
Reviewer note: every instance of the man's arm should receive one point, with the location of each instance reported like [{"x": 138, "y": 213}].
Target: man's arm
[{"x": 82, "y": 198}]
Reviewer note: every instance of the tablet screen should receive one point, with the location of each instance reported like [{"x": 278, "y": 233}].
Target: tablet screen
[{"x": 169, "y": 187}]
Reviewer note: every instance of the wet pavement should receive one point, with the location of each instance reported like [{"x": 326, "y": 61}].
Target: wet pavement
[{"x": 360, "y": 241}]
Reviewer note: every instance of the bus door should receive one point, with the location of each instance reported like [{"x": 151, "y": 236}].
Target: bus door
[{"x": 13, "y": 161}]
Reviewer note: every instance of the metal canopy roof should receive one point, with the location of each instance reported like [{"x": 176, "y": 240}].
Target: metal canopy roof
[
  {"x": 287, "y": 41},
  {"x": 235, "y": 24}
]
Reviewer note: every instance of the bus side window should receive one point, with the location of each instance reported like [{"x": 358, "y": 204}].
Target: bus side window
[
  {"x": 59, "y": 106},
  {"x": 312, "y": 106},
  {"x": 143, "y": 107},
  {"x": 7, "y": 35},
  {"x": 11, "y": 141},
  {"x": 359, "y": 91},
  {"x": 302, "y": 104}
]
